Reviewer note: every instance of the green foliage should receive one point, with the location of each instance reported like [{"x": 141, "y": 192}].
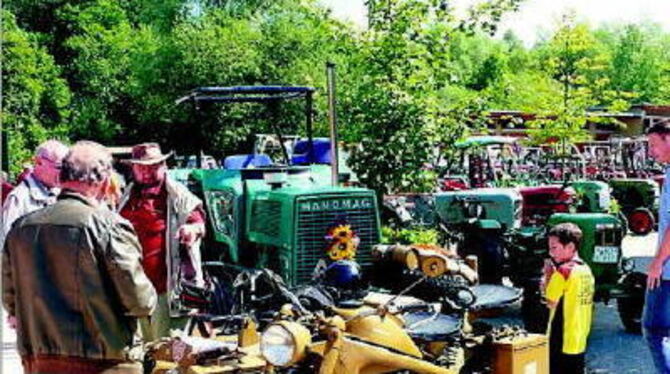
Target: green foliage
[
  {"x": 615, "y": 206},
  {"x": 638, "y": 61},
  {"x": 409, "y": 236},
  {"x": 415, "y": 81},
  {"x": 575, "y": 60},
  {"x": 407, "y": 98},
  {"x": 35, "y": 98},
  {"x": 100, "y": 66}
]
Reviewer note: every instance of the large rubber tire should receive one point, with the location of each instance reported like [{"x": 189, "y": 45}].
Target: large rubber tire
[
  {"x": 630, "y": 308},
  {"x": 641, "y": 221}
]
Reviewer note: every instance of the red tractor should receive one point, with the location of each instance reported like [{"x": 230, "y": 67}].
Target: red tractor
[{"x": 540, "y": 202}]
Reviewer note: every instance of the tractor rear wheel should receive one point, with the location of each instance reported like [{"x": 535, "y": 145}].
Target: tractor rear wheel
[
  {"x": 630, "y": 307},
  {"x": 641, "y": 221}
]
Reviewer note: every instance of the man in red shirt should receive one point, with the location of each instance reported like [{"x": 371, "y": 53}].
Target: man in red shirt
[{"x": 169, "y": 221}]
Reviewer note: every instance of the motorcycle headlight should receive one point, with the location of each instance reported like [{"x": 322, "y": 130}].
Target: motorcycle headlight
[{"x": 284, "y": 343}]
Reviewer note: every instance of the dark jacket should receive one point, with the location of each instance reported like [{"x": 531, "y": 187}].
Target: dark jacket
[{"x": 72, "y": 276}]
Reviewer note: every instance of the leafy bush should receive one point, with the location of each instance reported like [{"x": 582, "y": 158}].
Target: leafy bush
[{"x": 409, "y": 236}]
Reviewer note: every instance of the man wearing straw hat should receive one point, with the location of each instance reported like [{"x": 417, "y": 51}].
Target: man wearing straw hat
[{"x": 170, "y": 223}]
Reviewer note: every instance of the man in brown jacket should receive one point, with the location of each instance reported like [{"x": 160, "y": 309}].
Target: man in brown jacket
[{"x": 72, "y": 276}]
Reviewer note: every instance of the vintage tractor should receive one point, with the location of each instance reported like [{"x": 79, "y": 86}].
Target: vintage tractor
[
  {"x": 639, "y": 200},
  {"x": 481, "y": 218},
  {"x": 592, "y": 196},
  {"x": 288, "y": 218},
  {"x": 489, "y": 225},
  {"x": 486, "y": 161},
  {"x": 540, "y": 202},
  {"x": 603, "y": 235},
  {"x": 581, "y": 196}
]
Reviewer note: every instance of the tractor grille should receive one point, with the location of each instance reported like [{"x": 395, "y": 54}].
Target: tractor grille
[
  {"x": 266, "y": 217},
  {"x": 324, "y": 213}
]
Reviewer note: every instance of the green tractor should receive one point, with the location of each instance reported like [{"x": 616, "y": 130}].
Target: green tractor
[
  {"x": 279, "y": 216},
  {"x": 639, "y": 201},
  {"x": 480, "y": 220},
  {"x": 592, "y": 196},
  {"x": 488, "y": 223}
]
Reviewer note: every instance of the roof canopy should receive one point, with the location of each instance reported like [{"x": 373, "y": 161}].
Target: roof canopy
[{"x": 246, "y": 94}]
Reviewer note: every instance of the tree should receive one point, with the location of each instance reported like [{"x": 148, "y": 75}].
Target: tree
[
  {"x": 396, "y": 101},
  {"x": 99, "y": 69},
  {"x": 34, "y": 99},
  {"x": 637, "y": 62},
  {"x": 577, "y": 63}
]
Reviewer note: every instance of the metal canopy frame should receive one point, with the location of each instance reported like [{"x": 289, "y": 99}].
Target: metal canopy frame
[
  {"x": 270, "y": 95},
  {"x": 238, "y": 94}
]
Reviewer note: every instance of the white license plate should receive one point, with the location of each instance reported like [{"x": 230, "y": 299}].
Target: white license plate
[{"x": 606, "y": 254}]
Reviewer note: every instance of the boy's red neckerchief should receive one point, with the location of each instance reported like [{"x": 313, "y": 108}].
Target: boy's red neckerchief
[{"x": 565, "y": 267}]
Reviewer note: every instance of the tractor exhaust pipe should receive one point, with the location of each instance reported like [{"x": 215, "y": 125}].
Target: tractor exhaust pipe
[{"x": 332, "y": 121}]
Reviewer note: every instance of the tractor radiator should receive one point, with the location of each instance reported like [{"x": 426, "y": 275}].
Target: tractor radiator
[{"x": 317, "y": 214}]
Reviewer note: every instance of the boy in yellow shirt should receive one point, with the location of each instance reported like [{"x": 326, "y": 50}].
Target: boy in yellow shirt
[{"x": 569, "y": 295}]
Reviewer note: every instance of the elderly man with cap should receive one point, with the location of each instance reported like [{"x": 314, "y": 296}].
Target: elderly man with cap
[
  {"x": 73, "y": 278},
  {"x": 170, "y": 222},
  {"x": 38, "y": 189}
]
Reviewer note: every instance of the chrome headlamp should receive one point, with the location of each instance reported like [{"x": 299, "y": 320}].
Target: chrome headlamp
[{"x": 284, "y": 343}]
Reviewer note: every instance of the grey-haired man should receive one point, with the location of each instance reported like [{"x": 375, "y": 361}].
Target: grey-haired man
[{"x": 38, "y": 189}]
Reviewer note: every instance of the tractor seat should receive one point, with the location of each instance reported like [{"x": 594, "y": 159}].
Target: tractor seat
[
  {"x": 320, "y": 154},
  {"x": 429, "y": 327},
  {"x": 241, "y": 162}
]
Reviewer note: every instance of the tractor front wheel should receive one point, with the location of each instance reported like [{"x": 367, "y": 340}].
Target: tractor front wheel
[
  {"x": 630, "y": 307},
  {"x": 641, "y": 221}
]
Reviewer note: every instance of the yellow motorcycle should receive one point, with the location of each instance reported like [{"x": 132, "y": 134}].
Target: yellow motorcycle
[
  {"x": 375, "y": 338},
  {"x": 388, "y": 333}
]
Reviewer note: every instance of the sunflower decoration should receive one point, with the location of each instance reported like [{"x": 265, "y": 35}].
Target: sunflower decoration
[
  {"x": 341, "y": 232},
  {"x": 343, "y": 243}
]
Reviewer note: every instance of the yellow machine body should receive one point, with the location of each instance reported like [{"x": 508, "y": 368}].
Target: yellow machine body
[{"x": 386, "y": 331}]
